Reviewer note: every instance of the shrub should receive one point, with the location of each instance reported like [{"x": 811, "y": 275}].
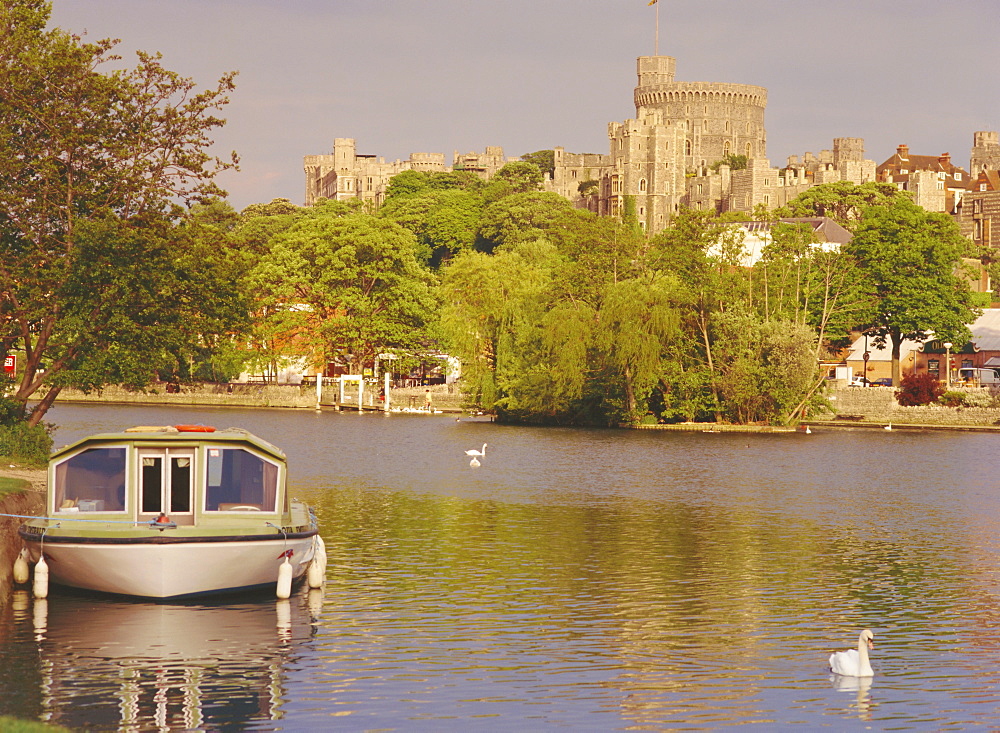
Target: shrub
[
  {"x": 952, "y": 399},
  {"x": 918, "y": 389},
  {"x": 29, "y": 444},
  {"x": 980, "y": 398}
]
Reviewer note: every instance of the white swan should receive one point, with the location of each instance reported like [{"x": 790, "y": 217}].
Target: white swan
[
  {"x": 474, "y": 462},
  {"x": 475, "y": 452},
  {"x": 854, "y": 662},
  {"x": 888, "y": 427}
]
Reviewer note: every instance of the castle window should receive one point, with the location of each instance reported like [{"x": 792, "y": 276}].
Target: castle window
[
  {"x": 982, "y": 186},
  {"x": 749, "y": 152},
  {"x": 958, "y": 176},
  {"x": 725, "y": 145},
  {"x": 642, "y": 185},
  {"x": 767, "y": 200},
  {"x": 687, "y": 151},
  {"x": 701, "y": 189},
  {"x": 767, "y": 181},
  {"x": 940, "y": 185},
  {"x": 727, "y": 126}
]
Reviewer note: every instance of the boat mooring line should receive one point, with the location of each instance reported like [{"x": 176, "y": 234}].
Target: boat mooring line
[{"x": 151, "y": 523}]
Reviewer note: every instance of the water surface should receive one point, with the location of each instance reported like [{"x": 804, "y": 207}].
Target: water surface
[{"x": 591, "y": 579}]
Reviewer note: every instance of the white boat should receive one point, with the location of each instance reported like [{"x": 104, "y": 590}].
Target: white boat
[{"x": 171, "y": 512}]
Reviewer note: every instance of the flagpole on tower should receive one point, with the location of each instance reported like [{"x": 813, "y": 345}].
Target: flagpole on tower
[{"x": 656, "y": 45}]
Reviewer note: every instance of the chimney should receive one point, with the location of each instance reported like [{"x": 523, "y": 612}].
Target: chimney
[
  {"x": 903, "y": 151},
  {"x": 945, "y": 159}
]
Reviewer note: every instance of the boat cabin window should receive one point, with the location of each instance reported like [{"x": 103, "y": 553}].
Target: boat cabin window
[
  {"x": 93, "y": 480},
  {"x": 239, "y": 480}
]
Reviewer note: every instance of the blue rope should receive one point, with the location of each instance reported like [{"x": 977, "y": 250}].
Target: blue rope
[{"x": 150, "y": 523}]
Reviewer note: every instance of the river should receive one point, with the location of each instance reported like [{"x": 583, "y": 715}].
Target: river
[{"x": 586, "y": 579}]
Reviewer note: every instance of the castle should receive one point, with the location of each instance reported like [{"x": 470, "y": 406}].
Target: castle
[{"x": 700, "y": 145}]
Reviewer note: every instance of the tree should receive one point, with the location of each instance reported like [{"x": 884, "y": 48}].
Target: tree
[
  {"x": 84, "y": 151},
  {"x": 521, "y": 217},
  {"x": 842, "y": 201},
  {"x": 544, "y": 159},
  {"x": 346, "y": 288},
  {"x": 909, "y": 260}
]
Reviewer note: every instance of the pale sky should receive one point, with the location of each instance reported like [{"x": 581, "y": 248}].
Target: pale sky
[{"x": 403, "y": 76}]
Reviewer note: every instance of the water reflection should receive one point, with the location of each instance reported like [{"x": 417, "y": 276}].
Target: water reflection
[
  {"x": 120, "y": 665},
  {"x": 861, "y": 687}
]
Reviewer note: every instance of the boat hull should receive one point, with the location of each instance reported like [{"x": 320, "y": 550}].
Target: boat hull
[{"x": 179, "y": 569}]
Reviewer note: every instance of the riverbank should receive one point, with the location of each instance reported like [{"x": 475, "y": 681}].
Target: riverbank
[
  {"x": 31, "y": 501},
  {"x": 444, "y": 397}
]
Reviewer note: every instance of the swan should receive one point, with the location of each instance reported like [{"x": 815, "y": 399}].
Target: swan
[
  {"x": 474, "y": 462},
  {"x": 888, "y": 427},
  {"x": 475, "y": 452},
  {"x": 854, "y": 662}
]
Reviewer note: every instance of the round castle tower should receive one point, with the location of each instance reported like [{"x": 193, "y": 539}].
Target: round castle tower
[{"x": 719, "y": 118}]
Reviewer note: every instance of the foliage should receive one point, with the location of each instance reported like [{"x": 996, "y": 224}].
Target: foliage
[
  {"x": 344, "y": 288},
  {"x": 29, "y": 443},
  {"x": 88, "y": 155},
  {"x": 544, "y": 159},
  {"x": 908, "y": 259},
  {"x": 589, "y": 187},
  {"x": 953, "y": 398},
  {"x": 842, "y": 201},
  {"x": 13, "y": 725},
  {"x": 520, "y": 217},
  {"x": 735, "y": 162},
  {"x": 922, "y": 388}
]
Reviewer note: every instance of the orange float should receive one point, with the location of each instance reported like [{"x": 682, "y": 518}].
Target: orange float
[{"x": 195, "y": 428}]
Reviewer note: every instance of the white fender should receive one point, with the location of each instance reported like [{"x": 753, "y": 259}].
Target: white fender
[
  {"x": 315, "y": 575},
  {"x": 41, "y": 586},
  {"x": 284, "y": 589},
  {"x": 21, "y": 569}
]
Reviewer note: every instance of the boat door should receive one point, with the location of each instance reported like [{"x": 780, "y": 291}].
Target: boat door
[{"x": 166, "y": 484}]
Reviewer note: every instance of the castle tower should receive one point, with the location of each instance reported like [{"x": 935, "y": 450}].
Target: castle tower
[
  {"x": 720, "y": 119},
  {"x": 985, "y": 152},
  {"x": 848, "y": 150},
  {"x": 680, "y": 128}
]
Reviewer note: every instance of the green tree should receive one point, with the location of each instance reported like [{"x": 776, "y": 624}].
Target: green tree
[
  {"x": 84, "y": 152},
  {"x": 735, "y": 162},
  {"x": 346, "y": 288},
  {"x": 842, "y": 201},
  {"x": 520, "y": 217},
  {"x": 544, "y": 159},
  {"x": 910, "y": 261}
]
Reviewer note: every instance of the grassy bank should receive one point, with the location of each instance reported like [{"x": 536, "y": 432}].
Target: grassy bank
[{"x": 11, "y": 485}]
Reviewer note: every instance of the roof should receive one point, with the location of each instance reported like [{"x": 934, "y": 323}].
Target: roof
[
  {"x": 830, "y": 234},
  {"x": 151, "y": 436}
]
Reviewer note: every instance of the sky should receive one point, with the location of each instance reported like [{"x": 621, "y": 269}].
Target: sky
[{"x": 405, "y": 76}]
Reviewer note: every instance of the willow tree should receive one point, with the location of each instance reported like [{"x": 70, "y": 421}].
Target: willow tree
[{"x": 81, "y": 149}]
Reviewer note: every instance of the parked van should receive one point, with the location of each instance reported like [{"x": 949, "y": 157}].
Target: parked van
[{"x": 979, "y": 376}]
